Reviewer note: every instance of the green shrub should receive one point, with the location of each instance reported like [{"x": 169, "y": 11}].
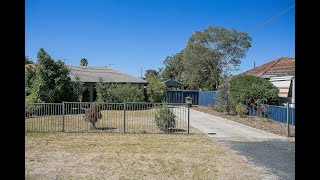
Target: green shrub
[
  {"x": 220, "y": 108},
  {"x": 155, "y": 89},
  {"x": 165, "y": 118},
  {"x": 248, "y": 89},
  {"x": 241, "y": 109},
  {"x": 118, "y": 93}
]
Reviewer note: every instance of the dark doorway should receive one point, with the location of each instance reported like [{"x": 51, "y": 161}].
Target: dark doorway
[{"x": 85, "y": 95}]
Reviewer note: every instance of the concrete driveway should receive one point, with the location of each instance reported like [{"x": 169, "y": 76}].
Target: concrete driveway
[{"x": 273, "y": 154}]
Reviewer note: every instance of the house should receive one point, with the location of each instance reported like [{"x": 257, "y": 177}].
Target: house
[
  {"x": 90, "y": 75},
  {"x": 281, "y": 73}
]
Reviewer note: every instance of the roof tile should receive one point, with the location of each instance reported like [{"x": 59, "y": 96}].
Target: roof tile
[{"x": 283, "y": 66}]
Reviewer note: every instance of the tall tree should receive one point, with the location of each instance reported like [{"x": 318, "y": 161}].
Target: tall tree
[
  {"x": 84, "y": 62},
  {"x": 173, "y": 67},
  {"x": 27, "y": 60},
  {"x": 151, "y": 73},
  {"x": 56, "y": 85},
  {"x": 212, "y": 53}
]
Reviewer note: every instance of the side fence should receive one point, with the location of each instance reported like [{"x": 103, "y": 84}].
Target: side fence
[
  {"x": 207, "y": 97},
  {"x": 279, "y": 113},
  {"x": 203, "y": 98},
  {"x": 128, "y": 117}
]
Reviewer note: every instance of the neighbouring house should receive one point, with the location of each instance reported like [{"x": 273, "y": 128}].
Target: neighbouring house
[
  {"x": 171, "y": 84},
  {"x": 90, "y": 75},
  {"x": 281, "y": 73}
]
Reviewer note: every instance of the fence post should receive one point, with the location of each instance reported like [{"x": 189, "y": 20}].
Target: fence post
[
  {"x": 288, "y": 126},
  {"x": 124, "y": 117},
  {"x": 63, "y": 116},
  {"x": 188, "y": 118}
]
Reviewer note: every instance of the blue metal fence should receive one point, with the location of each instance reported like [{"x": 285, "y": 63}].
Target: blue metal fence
[
  {"x": 180, "y": 96},
  {"x": 203, "y": 98},
  {"x": 279, "y": 113},
  {"x": 207, "y": 97}
]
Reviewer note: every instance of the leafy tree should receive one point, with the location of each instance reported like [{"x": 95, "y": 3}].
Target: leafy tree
[
  {"x": 155, "y": 89},
  {"x": 35, "y": 92},
  {"x": 151, "y": 73},
  {"x": 247, "y": 89},
  {"x": 57, "y": 85},
  {"x": 211, "y": 53},
  {"x": 102, "y": 91},
  {"x": 29, "y": 76},
  {"x": 83, "y": 62},
  {"x": 173, "y": 67},
  {"x": 78, "y": 88},
  {"x": 28, "y": 60}
]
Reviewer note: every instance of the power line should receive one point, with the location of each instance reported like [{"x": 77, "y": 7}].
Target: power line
[{"x": 272, "y": 18}]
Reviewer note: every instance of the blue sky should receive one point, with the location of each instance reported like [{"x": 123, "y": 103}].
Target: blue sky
[{"x": 141, "y": 33}]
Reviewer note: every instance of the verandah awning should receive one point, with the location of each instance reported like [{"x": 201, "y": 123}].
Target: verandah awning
[{"x": 283, "y": 84}]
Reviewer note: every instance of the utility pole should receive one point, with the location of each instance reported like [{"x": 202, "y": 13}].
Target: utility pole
[{"x": 141, "y": 72}]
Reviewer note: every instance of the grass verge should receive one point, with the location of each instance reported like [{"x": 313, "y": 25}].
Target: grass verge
[{"x": 131, "y": 156}]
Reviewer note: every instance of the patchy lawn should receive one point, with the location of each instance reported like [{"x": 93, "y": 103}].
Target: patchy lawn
[
  {"x": 131, "y": 156},
  {"x": 255, "y": 122}
]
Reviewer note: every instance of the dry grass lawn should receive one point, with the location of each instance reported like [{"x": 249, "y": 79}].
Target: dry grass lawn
[{"x": 131, "y": 156}]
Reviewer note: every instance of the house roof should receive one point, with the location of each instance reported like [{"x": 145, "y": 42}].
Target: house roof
[
  {"x": 283, "y": 66},
  {"x": 172, "y": 83},
  {"x": 93, "y": 73}
]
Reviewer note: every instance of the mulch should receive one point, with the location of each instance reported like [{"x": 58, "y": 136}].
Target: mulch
[{"x": 264, "y": 124}]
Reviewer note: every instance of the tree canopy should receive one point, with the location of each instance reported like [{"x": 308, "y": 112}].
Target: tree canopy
[
  {"x": 173, "y": 67},
  {"x": 155, "y": 89},
  {"x": 53, "y": 76},
  {"x": 209, "y": 55},
  {"x": 151, "y": 73},
  {"x": 28, "y": 60},
  {"x": 84, "y": 62},
  {"x": 248, "y": 89}
]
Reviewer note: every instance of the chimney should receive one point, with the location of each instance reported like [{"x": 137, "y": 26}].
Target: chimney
[{"x": 254, "y": 64}]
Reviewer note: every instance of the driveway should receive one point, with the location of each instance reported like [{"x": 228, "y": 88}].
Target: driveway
[{"x": 273, "y": 154}]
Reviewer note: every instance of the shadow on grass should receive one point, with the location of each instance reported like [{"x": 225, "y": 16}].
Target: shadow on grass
[
  {"x": 104, "y": 128},
  {"x": 171, "y": 130},
  {"x": 278, "y": 156}
]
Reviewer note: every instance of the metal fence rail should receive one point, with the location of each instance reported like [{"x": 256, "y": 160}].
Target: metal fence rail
[{"x": 129, "y": 117}]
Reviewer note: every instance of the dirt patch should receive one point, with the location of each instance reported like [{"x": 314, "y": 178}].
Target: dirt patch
[
  {"x": 264, "y": 124},
  {"x": 132, "y": 156}
]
